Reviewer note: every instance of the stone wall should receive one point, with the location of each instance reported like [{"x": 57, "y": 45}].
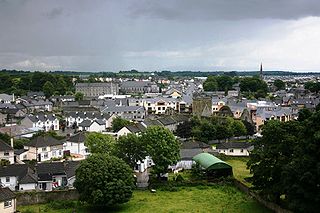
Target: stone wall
[
  {"x": 272, "y": 206},
  {"x": 35, "y": 197}
]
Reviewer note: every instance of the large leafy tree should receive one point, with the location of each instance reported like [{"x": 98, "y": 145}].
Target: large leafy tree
[
  {"x": 184, "y": 129},
  {"x": 285, "y": 163},
  {"x": 130, "y": 148},
  {"x": 238, "y": 128},
  {"x": 99, "y": 143},
  {"x": 118, "y": 123},
  {"x": 104, "y": 180},
  {"x": 162, "y": 146}
]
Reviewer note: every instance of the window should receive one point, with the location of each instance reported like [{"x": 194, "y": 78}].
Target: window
[
  {"x": 45, "y": 155},
  {"x": 7, "y": 203},
  {"x": 44, "y": 149},
  {"x": 241, "y": 150},
  {"x": 6, "y": 154},
  {"x": 231, "y": 150},
  {"x": 7, "y": 179}
]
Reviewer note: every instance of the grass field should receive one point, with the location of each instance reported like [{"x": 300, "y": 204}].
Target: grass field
[
  {"x": 217, "y": 198},
  {"x": 239, "y": 167}
]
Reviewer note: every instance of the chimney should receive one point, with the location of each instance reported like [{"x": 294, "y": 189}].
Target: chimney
[{"x": 11, "y": 142}]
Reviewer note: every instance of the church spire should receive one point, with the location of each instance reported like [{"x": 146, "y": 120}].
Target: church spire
[{"x": 261, "y": 74}]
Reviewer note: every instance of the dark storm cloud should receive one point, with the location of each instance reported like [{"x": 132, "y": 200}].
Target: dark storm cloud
[{"x": 225, "y": 9}]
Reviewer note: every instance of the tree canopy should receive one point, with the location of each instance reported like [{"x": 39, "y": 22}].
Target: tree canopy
[
  {"x": 118, "y": 123},
  {"x": 131, "y": 149},
  {"x": 104, "y": 180},
  {"x": 162, "y": 147},
  {"x": 285, "y": 163},
  {"x": 253, "y": 86},
  {"x": 218, "y": 83},
  {"x": 99, "y": 143}
]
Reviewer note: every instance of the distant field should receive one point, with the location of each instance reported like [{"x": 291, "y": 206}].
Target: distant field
[{"x": 217, "y": 198}]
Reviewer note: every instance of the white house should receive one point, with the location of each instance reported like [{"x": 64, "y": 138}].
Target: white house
[
  {"x": 18, "y": 177},
  {"x": 43, "y": 121},
  {"x": 6, "y": 152},
  {"x": 234, "y": 148},
  {"x": 131, "y": 129},
  {"x": 75, "y": 145},
  {"x": 92, "y": 126},
  {"x": 5, "y": 98}
]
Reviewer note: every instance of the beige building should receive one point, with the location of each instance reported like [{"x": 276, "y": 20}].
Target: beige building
[{"x": 7, "y": 201}]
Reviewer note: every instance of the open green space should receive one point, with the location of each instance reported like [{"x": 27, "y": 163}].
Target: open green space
[
  {"x": 216, "y": 198},
  {"x": 239, "y": 167}
]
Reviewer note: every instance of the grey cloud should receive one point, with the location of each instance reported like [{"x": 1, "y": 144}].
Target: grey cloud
[
  {"x": 55, "y": 12},
  {"x": 188, "y": 10}
]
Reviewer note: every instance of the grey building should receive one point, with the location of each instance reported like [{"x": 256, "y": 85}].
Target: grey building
[
  {"x": 96, "y": 89},
  {"x": 139, "y": 87}
]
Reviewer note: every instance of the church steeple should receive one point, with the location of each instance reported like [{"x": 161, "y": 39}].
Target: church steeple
[{"x": 261, "y": 74}]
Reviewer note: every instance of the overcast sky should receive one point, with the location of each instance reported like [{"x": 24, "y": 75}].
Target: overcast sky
[{"x": 149, "y": 35}]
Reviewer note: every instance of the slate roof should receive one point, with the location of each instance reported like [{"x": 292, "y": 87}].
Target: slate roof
[
  {"x": 44, "y": 140},
  {"x": 194, "y": 145},
  {"x": 188, "y": 154},
  {"x": 24, "y": 173},
  {"x": 47, "y": 170},
  {"x": 4, "y": 146},
  {"x": 78, "y": 138},
  {"x": 6, "y": 194},
  {"x": 135, "y": 128},
  {"x": 234, "y": 145},
  {"x": 71, "y": 167},
  {"x": 166, "y": 121},
  {"x": 19, "y": 151},
  {"x": 85, "y": 123}
]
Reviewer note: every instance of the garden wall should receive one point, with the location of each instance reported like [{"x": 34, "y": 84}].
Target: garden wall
[
  {"x": 35, "y": 197},
  {"x": 274, "y": 207}
]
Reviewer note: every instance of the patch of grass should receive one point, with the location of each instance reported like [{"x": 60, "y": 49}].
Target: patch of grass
[
  {"x": 239, "y": 167},
  {"x": 217, "y": 198}
]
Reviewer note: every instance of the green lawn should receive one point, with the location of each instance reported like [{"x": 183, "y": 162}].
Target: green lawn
[
  {"x": 239, "y": 167},
  {"x": 217, "y": 198}
]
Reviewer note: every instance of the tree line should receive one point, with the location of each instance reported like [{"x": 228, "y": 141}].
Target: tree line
[
  {"x": 20, "y": 83},
  {"x": 214, "y": 128}
]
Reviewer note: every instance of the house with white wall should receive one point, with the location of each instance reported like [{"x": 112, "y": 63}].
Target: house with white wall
[
  {"x": 18, "y": 177},
  {"x": 75, "y": 145},
  {"x": 46, "y": 122},
  {"x": 234, "y": 148}
]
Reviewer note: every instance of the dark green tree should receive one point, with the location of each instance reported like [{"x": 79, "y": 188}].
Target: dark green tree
[
  {"x": 104, "y": 180},
  {"x": 304, "y": 114},
  {"x": 48, "y": 89},
  {"x": 280, "y": 85},
  {"x": 162, "y": 146},
  {"x": 78, "y": 96},
  {"x": 118, "y": 123},
  {"x": 131, "y": 149},
  {"x": 184, "y": 129},
  {"x": 99, "y": 143},
  {"x": 238, "y": 128}
]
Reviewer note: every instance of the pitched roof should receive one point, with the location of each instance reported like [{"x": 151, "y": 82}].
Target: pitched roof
[
  {"x": 78, "y": 138},
  {"x": 85, "y": 123},
  {"x": 6, "y": 194},
  {"x": 194, "y": 145},
  {"x": 4, "y": 146},
  {"x": 135, "y": 128},
  {"x": 47, "y": 170},
  {"x": 188, "y": 154},
  {"x": 71, "y": 167},
  {"x": 24, "y": 173},
  {"x": 166, "y": 121},
  {"x": 44, "y": 140}
]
